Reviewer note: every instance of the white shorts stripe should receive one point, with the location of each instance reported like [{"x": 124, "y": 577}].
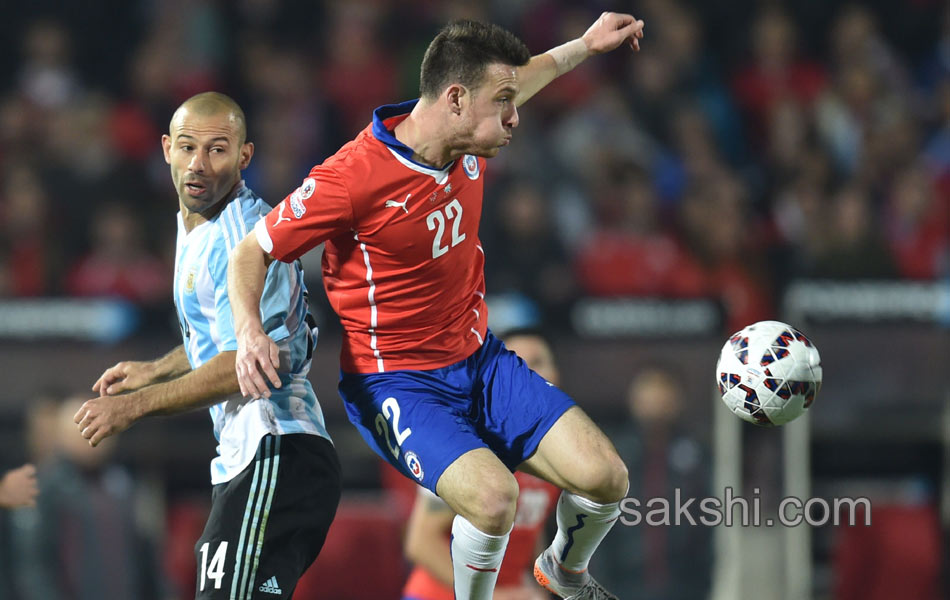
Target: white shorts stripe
[
  {"x": 269, "y": 490},
  {"x": 247, "y": 513},
  {"x": 244, "y": 589}
]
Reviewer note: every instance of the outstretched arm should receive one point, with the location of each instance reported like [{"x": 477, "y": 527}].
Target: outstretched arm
[
  {"x": 606, "y": 34},
  {"x": 257, "y": 354},
  {"x": 208, "y": 384}
]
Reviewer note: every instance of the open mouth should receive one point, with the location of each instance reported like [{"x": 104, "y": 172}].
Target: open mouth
[{"x": 195, "y": 189}]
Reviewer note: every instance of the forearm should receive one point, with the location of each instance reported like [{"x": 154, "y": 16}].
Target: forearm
[
  {"x": 545, "y": 68},
  {"x": 247, "y": 271},
  {"x": 209, "y": 384},
  {"x": 172, "y": 365}
]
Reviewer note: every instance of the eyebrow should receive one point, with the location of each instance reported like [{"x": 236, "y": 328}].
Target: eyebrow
[
  {"x": 510, "y": 89},
  {"x": 217, "y": 139}
]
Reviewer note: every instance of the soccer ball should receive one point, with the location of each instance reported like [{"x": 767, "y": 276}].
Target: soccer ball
[{"x": 768, "y": 373}]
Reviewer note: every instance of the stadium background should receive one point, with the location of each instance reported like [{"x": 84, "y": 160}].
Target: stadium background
[{"x": 755, "y": 160}]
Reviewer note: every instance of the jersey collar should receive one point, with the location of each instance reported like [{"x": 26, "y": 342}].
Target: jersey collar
[{"x": 390, "y": 115}]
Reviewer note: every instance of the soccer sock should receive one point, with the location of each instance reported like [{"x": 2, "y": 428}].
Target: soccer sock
[
  {"x": 581, "y": 525},
  {"x": 476, "y": 558}
]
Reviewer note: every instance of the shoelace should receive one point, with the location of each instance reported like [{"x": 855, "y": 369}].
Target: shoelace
[{"x": 592, "y": 591}]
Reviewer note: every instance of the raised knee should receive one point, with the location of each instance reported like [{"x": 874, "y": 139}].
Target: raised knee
[
  {"x": 608, "y": 482},
  {"x": 492, "y": 507},
  {"x": 618, "y": 481}
]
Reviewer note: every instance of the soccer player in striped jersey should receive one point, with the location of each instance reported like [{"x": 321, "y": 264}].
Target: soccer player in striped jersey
[
  {"x": 425, "y": 382},
  {"x": 276, "y": 477}
]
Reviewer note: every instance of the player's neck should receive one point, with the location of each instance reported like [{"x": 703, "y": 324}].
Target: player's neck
[{"x": 424, "y": 132}]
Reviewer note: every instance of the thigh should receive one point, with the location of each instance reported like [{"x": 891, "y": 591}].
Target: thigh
[
  {"x": 417, "y": 421},
  {"x": 519, "y": 406},
  {"x": 577, "y": 456},
  {"x": 267, "y": 525}
]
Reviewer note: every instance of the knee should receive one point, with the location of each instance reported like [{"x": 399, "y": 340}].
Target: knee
[
  {"x": 491, "y": 507},
  {"x": 608, "y": 481}
]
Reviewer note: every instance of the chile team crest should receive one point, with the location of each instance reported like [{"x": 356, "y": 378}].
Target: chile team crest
[
  {"x": 470, "y": 166},
  {"x": 415, "y": 465}
]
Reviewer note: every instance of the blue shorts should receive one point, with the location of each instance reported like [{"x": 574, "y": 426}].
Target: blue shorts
[{"x": 421, "y": 421}]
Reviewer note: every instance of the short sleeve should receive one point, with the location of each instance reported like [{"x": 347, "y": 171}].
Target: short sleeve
[{"x": 316, "y": 211}]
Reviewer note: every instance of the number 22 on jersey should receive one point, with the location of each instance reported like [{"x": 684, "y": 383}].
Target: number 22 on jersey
[{"x": 436, "y": 221}]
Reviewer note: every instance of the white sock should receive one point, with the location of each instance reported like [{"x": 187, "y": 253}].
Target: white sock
[
  {"x": 476, "y": 558},
  {"x": 581, "y": 525}
]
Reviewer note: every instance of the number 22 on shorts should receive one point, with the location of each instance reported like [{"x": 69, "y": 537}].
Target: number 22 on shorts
[{"x": 390, "y": 410}]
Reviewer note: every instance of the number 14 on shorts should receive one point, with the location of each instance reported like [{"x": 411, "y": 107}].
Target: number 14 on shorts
[
  {"x": 213, "y": 570},
  {"x": 390, "y": 410}
]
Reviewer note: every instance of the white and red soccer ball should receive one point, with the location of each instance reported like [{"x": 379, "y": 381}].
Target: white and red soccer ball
[{"x": 768, "y": 373}]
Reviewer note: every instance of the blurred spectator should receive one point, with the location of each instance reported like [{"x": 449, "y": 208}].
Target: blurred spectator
[
  {"x": 630, "y": 253},
  {"x": 301, "y": 129},
  {"x": 654, "y": 562},
  {"x": 936, "y": 66},
  {"x": 27, "y": 229},
  {"x": 47, "y": 77},
  {"x": 855, "y": 40},
  {"x": 777, "y": 71},
  {"x": 899, "y": 555},
  {"x": 917, "y": 225},
  {"x": 937, "y": 150},
  {"x": 729, "y": 247},
  {"x": 799, "y": 215},
  {"x": 119, "y": 264},
  {"x": 536, "y": 264},
  {"x": 86, "y": 539},
  {"x": 855, "y": 248},
  {"x": 358, "y": 74}
]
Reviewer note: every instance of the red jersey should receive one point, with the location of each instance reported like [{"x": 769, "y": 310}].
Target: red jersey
[
  {"x": 402, "y": 266},
  {"x": 536, "y": 501}
]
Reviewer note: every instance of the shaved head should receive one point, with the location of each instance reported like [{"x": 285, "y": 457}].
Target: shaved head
[
  {"x": 206, "y": 148},
  {"x": 207, "y": 104}
]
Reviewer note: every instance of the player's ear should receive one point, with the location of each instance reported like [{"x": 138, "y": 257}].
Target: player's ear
[
  {"x": 455, "y": 96},
  {"x": 247, "y": 151},
  {"x": 167, "y": 148}
]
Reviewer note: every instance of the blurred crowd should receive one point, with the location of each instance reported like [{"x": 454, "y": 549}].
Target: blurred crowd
[{"x": 744, "y": 146}]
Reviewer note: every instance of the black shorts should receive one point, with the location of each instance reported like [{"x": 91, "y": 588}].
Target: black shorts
[{"x": 267, "y": 525}]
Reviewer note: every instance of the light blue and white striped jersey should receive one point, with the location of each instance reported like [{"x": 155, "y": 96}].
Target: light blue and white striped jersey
[{"x": 204, "y": 312}]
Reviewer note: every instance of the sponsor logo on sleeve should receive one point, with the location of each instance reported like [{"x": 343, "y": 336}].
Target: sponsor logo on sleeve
[{"x": 296, "y": 204}]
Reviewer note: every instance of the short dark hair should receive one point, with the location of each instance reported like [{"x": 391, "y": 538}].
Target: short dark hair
[{"x": 462, "y": 50}]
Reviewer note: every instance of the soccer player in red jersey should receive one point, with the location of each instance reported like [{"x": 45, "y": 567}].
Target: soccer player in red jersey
[{"x": 428, "y": 386}]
